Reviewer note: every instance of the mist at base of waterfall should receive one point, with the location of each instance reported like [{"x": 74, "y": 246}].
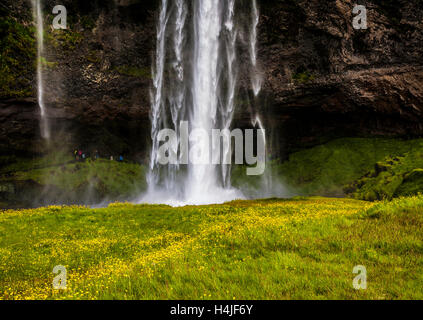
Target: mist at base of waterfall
[
  {"x": 204, "y": 41},
  {"x": 244, "y": 187},
  {"x": 214, "y": 196}
]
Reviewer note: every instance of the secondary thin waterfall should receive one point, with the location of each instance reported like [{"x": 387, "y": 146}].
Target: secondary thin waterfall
[
  {"x": 38, "y": 16},
  {"x": 194, "y": 82},
  {"x": 255, "y": 77},
  {"x": 267, "y": 188}
]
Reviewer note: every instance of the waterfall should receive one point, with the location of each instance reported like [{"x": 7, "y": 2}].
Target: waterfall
[
  {"x": 229, "y": 108},
  {"x": 268, "y": 187},
  {"x": 195, "y": 81},
  {"x": 156, "y": 96},
  {"x": 37, "y": 9},
  {"x": 255, "y": 77}
]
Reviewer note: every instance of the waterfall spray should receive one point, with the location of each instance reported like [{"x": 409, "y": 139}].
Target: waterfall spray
[
  {"x": 156, "y": 95},
  {"x": 194, "y": 80},
  {"x": 268, "y": 187},
  {"x": 204, "y": 183},
  {"x": 255, "y": 77},
  {"x": 229, "y": 108},
  {"x": 45, "y": 130}
]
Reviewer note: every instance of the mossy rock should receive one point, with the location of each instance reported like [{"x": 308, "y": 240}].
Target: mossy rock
[
  {"x": 17, "y": 59},
  {"x": 412, "y": 184},
  {"x": 382, "y": 167}
]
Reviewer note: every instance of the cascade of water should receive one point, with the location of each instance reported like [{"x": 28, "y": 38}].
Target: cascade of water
[
  {"x": 176, "y": 98},
  {"x": 202, "y": 177},
  {"x": 198, "y": 86},
  {"x": 45, "y": 131},
  {"x": 256, "y": 77},
  {"x": 228, "y": 109},
  {"x": 256, "y": 81},
  {"x": 266, "y": 178},
  {"x": 156, "y": 97}
]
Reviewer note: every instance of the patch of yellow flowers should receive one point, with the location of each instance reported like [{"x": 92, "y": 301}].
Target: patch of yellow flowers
[{"x": 227, "y": 221}]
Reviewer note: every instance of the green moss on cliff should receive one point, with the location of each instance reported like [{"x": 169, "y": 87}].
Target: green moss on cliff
[
  {"x": 64, "y": 39},
  {"x": 328, "y": 168},
  {"x": 392, "y": 177},
  {"x": 48, "y": 64},
  {"x": 331, "y": 169},
  {"x": 93, "y": 57},
  {"x": 303, "y": 77},
  {"x": 17, "y": 58}
]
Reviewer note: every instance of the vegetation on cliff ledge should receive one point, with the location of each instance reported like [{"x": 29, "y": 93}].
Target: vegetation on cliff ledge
[
  {"x": 348, "y": 167},
  {"x": 362, "y": 168},
  {"x": 63, "y": 180},
  {"x": 17, "y": 59}
]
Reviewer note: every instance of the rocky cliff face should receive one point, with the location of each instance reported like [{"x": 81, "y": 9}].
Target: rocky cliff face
[
  {"x": 325, "y": 79},
  {"x": 322, "y": 78},
  {"x": 96, "y": 76}
]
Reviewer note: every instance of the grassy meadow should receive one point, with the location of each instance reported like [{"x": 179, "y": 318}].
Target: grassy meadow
[
  {"x": 302, "y": 248},
  {"x": 361, "y": 168},
  {"x": 59, "y": 180}
]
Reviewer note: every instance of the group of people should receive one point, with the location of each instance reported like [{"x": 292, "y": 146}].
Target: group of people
[{"x": 80, "y": 155}]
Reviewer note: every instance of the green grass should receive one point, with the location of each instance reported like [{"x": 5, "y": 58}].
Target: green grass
[
  {"x": 109, "y": 179},
  {"x": 393, "y": 177},
  {"x": 303, "y": 248},
  {"x": 366, "y": 169},
  {"x": 12, "y": 164},
  {"x": 330, "y": 169}
]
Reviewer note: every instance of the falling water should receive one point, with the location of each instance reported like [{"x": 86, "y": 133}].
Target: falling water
[
  {"x": 268, "y": 188},
  {"x": 156, "y": 96},
  {"x": 204, "y": 183},
  {"x": 229, "y": 108},
  {"x": 45, "y": 132},
  {"x": 194, "y": 80},
  {"x": 255, "y": 77}
]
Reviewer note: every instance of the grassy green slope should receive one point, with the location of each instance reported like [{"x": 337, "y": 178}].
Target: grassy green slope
[
  {"x": 67, "y": 181},
  {"x": 326, "y": 169},
  {"x": 110, "y": 178},
  {"x": 272, "y": 249},
  {"x": 364, "y": 168},
  {"x": 330, "y": 169},
  {"x": 393, "y": 177}
]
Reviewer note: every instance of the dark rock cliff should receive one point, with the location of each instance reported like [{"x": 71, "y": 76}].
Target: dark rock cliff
[
  {"x": 325, "y": 79},
  {"x": 97, "y": 76},
  {"x": 322, "y": 78}
]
